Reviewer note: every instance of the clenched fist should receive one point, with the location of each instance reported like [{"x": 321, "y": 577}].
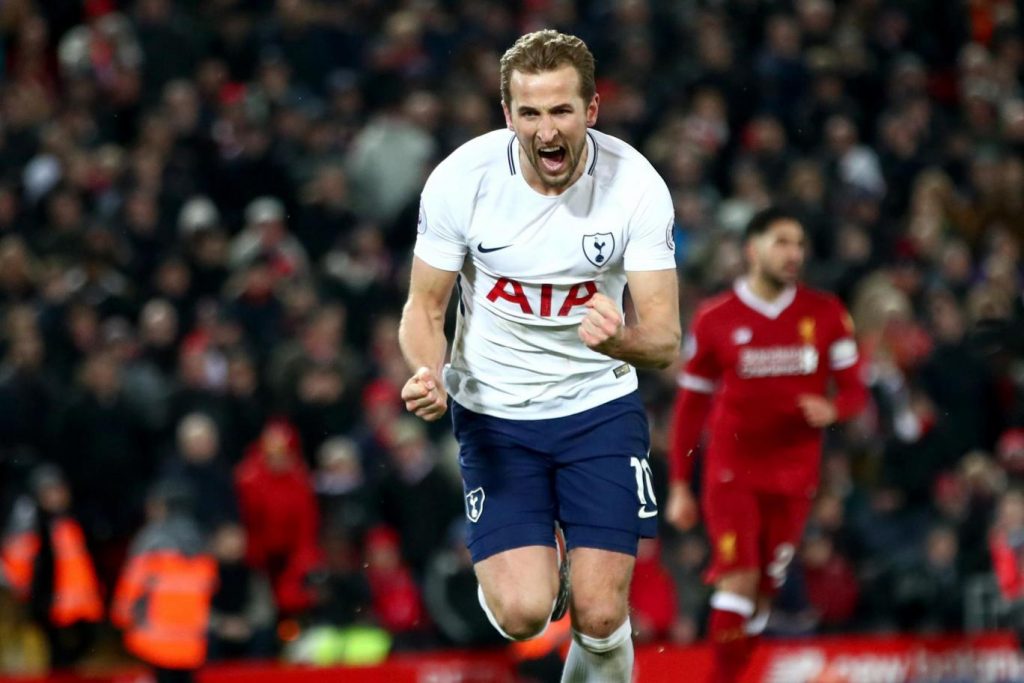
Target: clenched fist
[
  {"x": 602, "y": 327},
  {"x": 682, "y": 510},
  {"x": 425, "y": 396}
]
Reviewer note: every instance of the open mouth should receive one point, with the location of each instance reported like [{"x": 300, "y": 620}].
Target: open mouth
[{"x": 552, "y": 159}]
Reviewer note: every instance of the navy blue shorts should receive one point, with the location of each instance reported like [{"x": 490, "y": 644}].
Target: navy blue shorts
[{"x": 588, "y": 471}]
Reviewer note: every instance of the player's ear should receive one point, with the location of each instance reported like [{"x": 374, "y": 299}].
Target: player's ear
[
  {"x": 592, "y": 110},
  {"x": 508, "y": 115},
  {"x": 750, "y": 249}
]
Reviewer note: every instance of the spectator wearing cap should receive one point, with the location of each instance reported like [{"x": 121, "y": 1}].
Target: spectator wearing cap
[
  {"x": 266, "y": 236},
  {"x": 206, "y": 245},
  {"x": 45, "y": 562}
]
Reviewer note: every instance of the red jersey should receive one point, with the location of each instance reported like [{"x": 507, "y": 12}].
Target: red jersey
[{"x": 757, "y": 358}]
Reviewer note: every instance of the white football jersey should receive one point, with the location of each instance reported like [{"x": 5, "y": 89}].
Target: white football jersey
[{"x": 528, "y": 263}]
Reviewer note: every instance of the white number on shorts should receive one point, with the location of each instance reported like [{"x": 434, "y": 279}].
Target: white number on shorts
[
  {"x": 777, "y": 567},
  {"x": 642, "y": 471}
]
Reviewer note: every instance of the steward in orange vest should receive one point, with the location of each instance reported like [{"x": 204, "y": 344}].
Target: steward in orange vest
[
  {"x": 163, "y": 596},
  {"x": 45, "y": 562}
]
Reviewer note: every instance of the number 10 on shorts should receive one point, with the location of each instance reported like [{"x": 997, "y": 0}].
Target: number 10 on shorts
[{"x": 644, "y": 487}]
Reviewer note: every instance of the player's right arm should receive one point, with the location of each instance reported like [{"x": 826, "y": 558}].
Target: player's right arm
[
  {"x": 439, "y": 255},
  {"x": 421, "y": 336},
  {"x": 692, "y": 405}
]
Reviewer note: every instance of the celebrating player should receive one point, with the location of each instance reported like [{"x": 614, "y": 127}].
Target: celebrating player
[
  {"x": 542, "y": 226},
  {"x": 760, "y": 359}
]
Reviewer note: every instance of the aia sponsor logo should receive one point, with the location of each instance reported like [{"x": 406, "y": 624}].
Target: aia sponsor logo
[{"x": 546, "y": 300}]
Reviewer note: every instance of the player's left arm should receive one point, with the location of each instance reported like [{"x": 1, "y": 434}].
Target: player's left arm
[
  {"x": 851, "y": 393},
  {"x": 653, "y": 340}
]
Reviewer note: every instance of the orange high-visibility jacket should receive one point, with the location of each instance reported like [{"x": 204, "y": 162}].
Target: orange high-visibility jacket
[
  {"x": 76, "y": 590},
  {"x": 163, "y": 597}
]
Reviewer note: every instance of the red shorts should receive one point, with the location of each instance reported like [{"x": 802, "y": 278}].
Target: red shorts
[{"x": 753, "y": 530}]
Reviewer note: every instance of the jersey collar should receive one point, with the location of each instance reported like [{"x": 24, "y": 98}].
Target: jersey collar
[
  {"x": 514, "y": 167},
  {"x": 769, "y": 309}
]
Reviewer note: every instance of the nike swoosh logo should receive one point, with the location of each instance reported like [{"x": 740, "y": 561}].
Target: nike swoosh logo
[
  {"x": 646, "y": 514},
  {"x": 487, "y": 250}
]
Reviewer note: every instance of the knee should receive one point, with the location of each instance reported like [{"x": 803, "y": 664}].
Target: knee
[
  {"x": 598, "y": 618},
  {"x": 743, "y": 582},
  {"x": 521, "y": 616}
]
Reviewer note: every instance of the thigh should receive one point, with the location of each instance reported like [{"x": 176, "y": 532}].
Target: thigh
[
  {"x": 600, "y": 588},
  {"x": 603, "y": 480},
  {"x": 732, "y": 517},
  {"x": 783, "y": 520},
  {"x": 507, "y": 486},
  {"x": 519, "y": 575}
]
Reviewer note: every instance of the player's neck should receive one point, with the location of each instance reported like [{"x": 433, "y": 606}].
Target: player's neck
[{"x": 764, "y": 288}]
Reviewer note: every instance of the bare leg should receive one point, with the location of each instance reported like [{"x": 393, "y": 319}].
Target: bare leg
[
  {"x": 602, "y": 647},
  {"x": 518, "y": 588}
]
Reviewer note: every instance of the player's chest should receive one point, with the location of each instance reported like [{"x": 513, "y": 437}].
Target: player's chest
[
  {"x": 791, "y": 345},
  {"x": 577, "y": 236}
]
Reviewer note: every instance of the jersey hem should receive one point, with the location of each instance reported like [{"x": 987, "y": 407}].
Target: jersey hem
[{"x": 541, "y": 411}]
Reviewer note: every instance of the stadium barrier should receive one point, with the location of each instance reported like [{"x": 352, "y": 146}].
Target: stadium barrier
[{"x": 985, "y": 658}]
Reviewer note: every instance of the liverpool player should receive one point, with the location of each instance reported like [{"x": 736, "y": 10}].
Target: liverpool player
[{"x": 774, "y": 363}]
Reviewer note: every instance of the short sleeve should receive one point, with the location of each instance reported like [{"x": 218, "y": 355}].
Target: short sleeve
[
  {"x": 440, "y": 233},
  {"x": 701, "y": 371},
  {"x": 651, "y": 245},
  {"x": 842, "y": 350}
]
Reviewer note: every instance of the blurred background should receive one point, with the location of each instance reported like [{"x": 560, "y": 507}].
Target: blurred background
[{"x": 206, "y": 218}]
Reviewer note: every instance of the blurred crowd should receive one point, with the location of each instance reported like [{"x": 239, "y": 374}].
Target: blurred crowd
[{"x": 206, "y": 215}]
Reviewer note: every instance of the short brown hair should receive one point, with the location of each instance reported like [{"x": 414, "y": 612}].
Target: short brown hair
[{"x": 548, "y": 50}]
